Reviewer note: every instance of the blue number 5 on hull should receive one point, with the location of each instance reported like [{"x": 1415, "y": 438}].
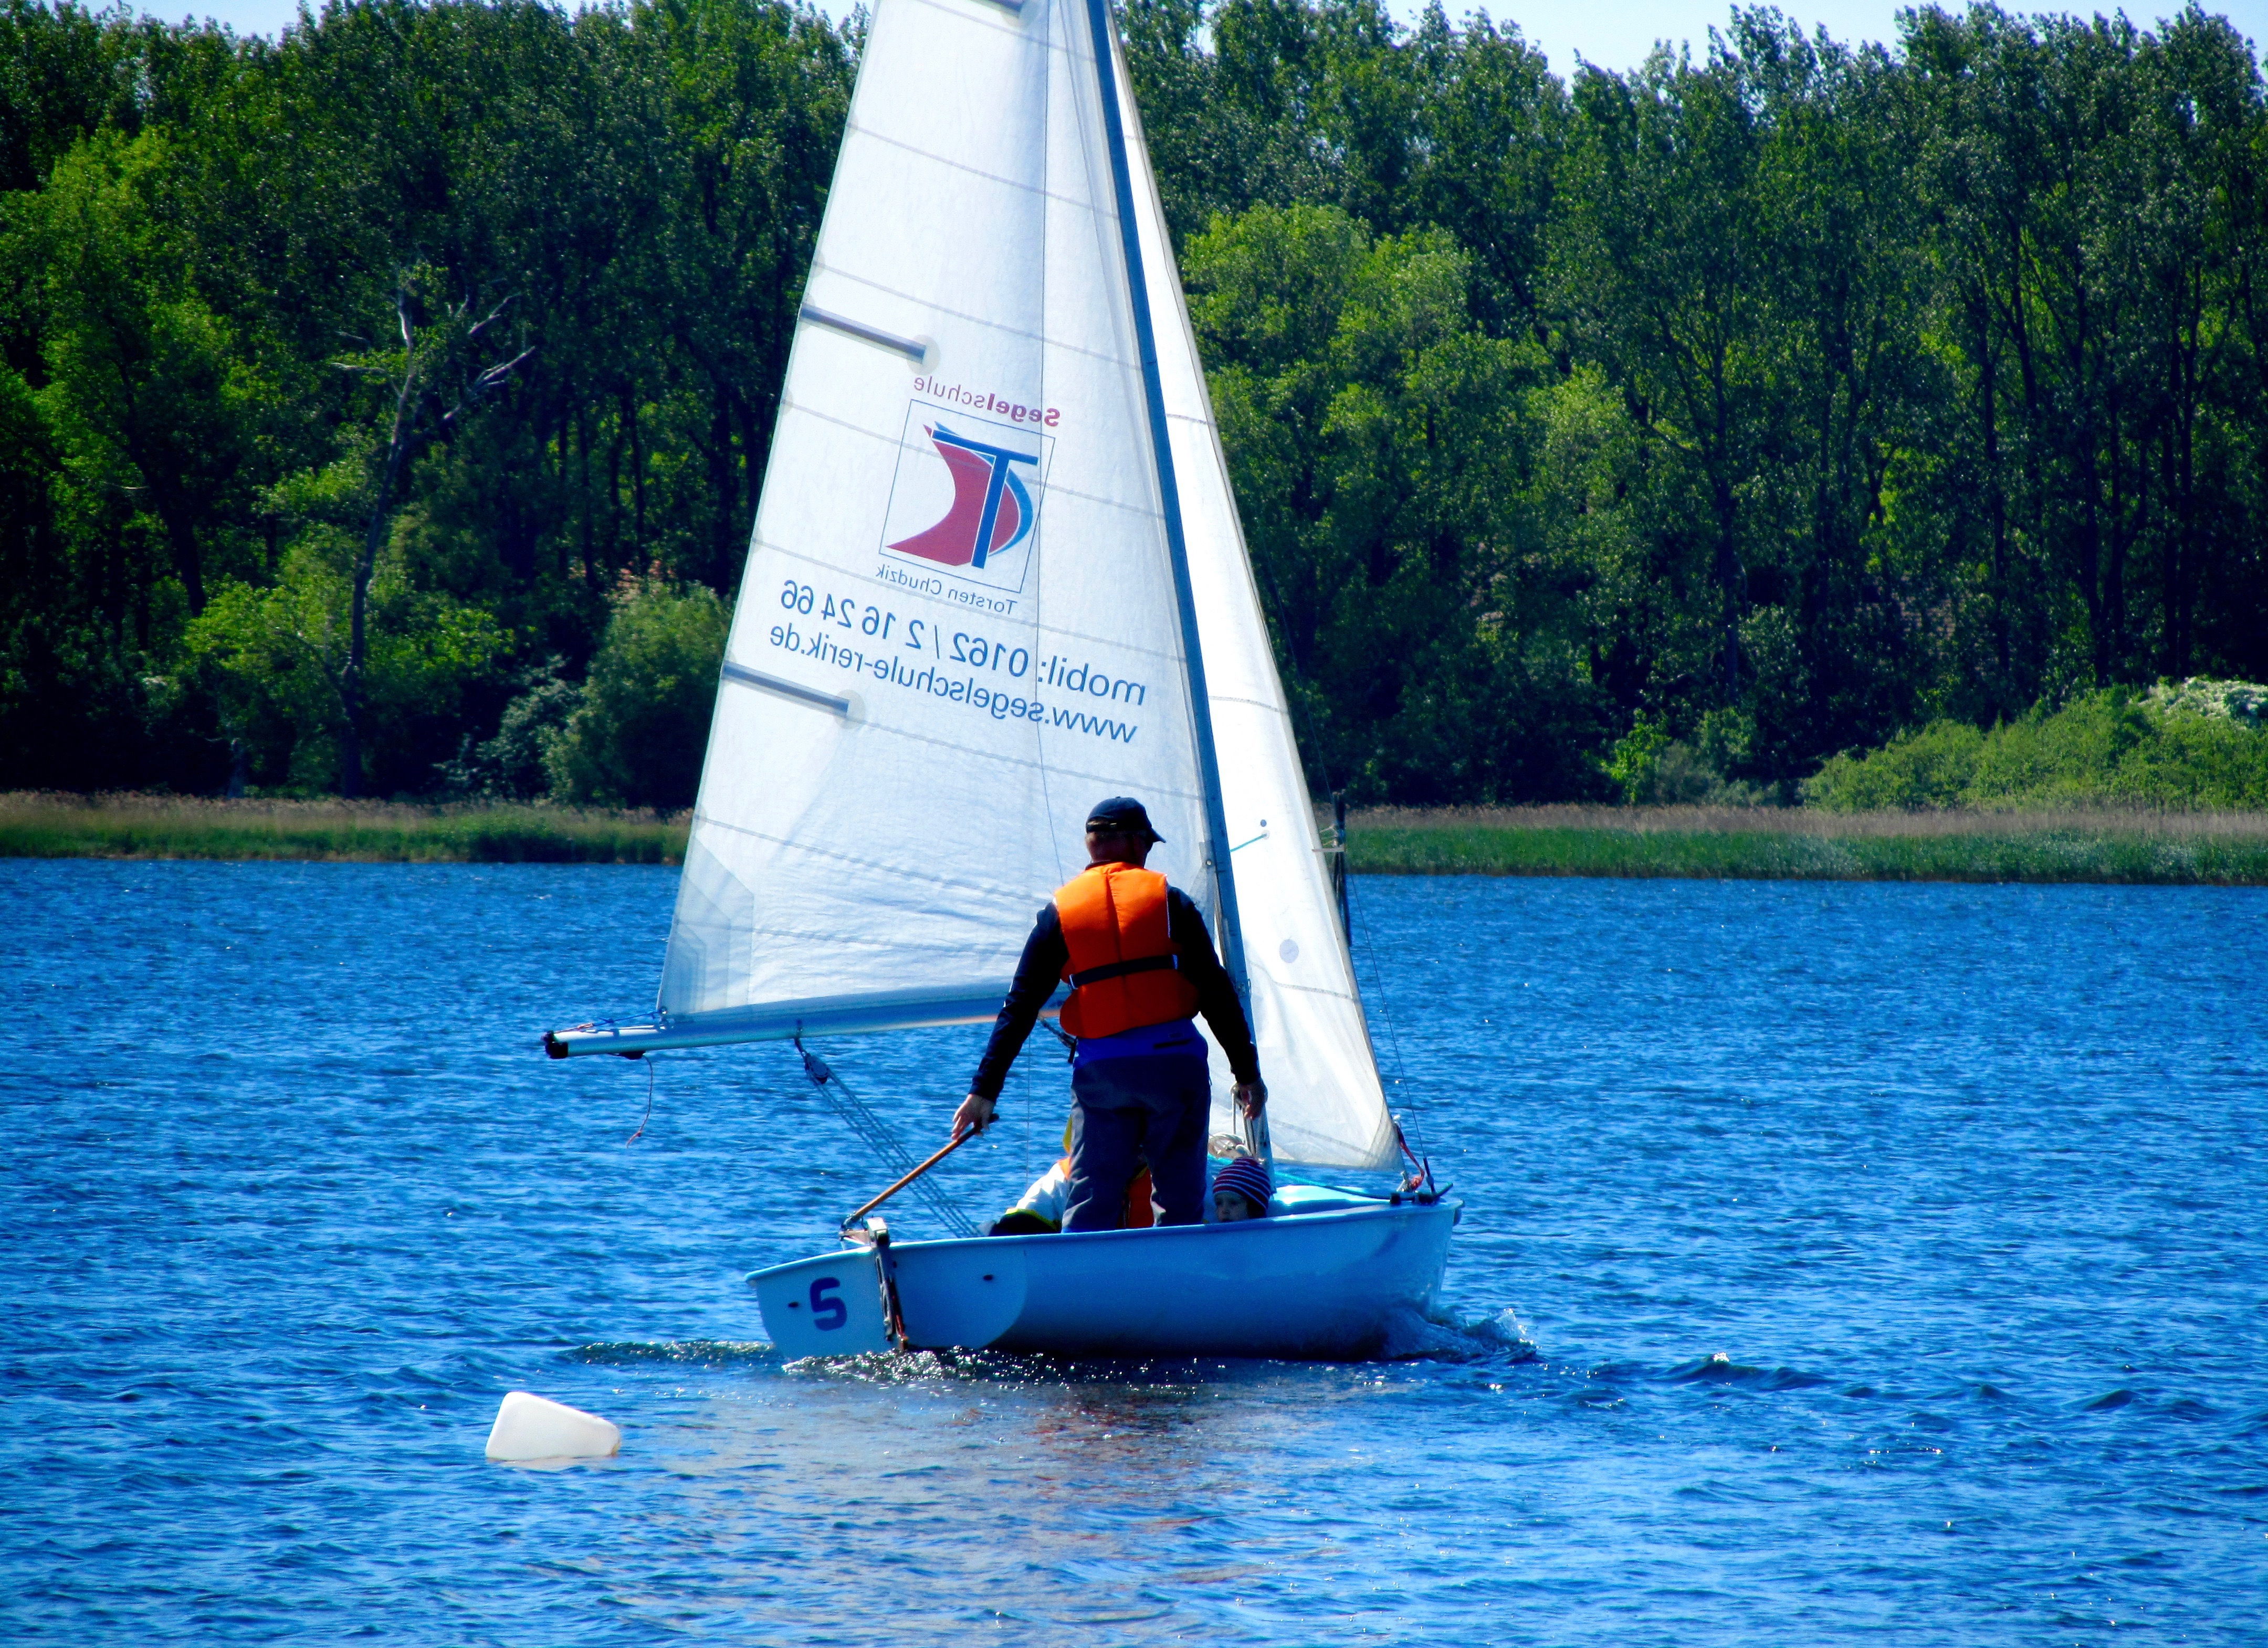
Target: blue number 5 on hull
[{"x": 830, "y": 1305}]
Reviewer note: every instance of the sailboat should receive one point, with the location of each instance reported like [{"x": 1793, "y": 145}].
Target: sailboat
[{"x": 995, "y": 574}]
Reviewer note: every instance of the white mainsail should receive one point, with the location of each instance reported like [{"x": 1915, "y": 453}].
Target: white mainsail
[
  {"x": 871, "y": 854},
  {"x": 959, "y": 626}
]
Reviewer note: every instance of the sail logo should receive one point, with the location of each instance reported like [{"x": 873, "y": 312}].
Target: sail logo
[
  {"x": 991, "y": 508},
  {"x": 964, "y": 500}
]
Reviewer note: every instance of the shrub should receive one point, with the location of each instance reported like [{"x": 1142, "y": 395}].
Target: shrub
[
  {"x": 2108, "y": 748},
  {"x": 1653, "y": 769},
  {"x": 639, "y": 736},
  {"x": 1630, "y": 765},
  {"x": 1933, "y": 768},
  {"x": 509, "y": 766},
  {"x": 2242, "y": 701}
]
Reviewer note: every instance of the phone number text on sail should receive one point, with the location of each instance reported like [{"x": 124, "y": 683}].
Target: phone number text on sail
[{"x": 1004, "y": 679}]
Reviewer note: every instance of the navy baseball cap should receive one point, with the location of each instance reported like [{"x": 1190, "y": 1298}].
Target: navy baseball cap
[{"x": 1121, "y": 815}]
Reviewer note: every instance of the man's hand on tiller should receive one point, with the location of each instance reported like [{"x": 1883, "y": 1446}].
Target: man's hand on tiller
[{"x": 975, "y": 1116}]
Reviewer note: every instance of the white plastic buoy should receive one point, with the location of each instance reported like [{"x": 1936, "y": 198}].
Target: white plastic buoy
[{"x": 532, "y": 1427}]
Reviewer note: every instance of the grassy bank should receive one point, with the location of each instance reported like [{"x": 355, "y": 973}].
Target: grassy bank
[
  {"x": 2227, "y": 849},
  {"x": 2223, "y": 849},
  {"x": 35, "y": 826}
]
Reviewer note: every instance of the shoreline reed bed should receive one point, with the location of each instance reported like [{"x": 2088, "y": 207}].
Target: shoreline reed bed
[
  {"x": 36, "y": 825},
  {"x": 1769, "y": 843},
  {"x": 1762, "y": 843}
]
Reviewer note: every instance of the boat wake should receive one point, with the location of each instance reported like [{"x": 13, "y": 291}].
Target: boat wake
[
  {"x": 1439, "y": 1336},
  {"x": 1410, "y": 1336},
  {"x": 905, "y": 1367},
  {"x": 1452, "y": 1336},
  {"x": 1024, "y": 1368},
  {"x": 711, "y": 1353}
]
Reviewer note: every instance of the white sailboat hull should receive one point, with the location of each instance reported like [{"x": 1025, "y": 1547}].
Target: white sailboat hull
[{"x": 1321, "y": 1286}]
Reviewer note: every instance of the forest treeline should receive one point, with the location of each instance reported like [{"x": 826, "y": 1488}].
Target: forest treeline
[{"x": 382, "y": 408}]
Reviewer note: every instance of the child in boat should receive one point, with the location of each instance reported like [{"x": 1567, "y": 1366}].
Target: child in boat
[
  {"x": 1039, "y": 1211},
  {"x": 1241, "y": 1190}
]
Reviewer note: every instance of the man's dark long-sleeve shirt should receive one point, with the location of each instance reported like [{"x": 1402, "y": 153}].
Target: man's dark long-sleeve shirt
[{"x": 1041, "y": 970}]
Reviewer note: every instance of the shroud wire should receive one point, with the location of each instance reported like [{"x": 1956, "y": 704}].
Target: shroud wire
[{"x": 875, "y": 1134}]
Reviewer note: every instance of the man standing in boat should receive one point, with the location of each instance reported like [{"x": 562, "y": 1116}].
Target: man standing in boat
[{"x": 1141, "y": 966}]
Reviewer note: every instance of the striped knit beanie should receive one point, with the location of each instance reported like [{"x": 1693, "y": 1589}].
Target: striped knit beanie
[{"x": 1248, "y": 1176}]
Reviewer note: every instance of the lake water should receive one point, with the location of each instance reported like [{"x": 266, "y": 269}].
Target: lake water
[{"x": 1838, "y": 1260}]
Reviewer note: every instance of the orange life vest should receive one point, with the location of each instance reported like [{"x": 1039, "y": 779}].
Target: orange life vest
[{"x": 1122, "y": 966}]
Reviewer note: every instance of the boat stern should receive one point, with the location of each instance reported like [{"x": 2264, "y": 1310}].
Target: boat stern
[{"x": 830, "y": 1305}]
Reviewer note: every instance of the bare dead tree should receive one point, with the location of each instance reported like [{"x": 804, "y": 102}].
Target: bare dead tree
[{"x": 434, "y": 359}]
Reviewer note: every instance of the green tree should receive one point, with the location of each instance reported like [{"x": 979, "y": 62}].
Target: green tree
[
  {"x": 301, "y": 683},
  {"x": 1383, "y": 446},
  {"x": 155, "y": 399},
  {"x": 1777, "y": 398},
  {"x": 1660, "y": 274}
]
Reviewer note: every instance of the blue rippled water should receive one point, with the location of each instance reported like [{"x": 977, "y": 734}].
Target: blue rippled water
[{"x": 1838, "y": 1260}]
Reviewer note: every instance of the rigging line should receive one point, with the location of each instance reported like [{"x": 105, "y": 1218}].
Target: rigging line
[
  {"x": 871, "y": 1131},
  {"x": 650, "y": 1062},
  {"x": 1344, "y": 886},
  {"x": 1377, "y": 992},
  {"x": 1039, "y": 562},
  {"x": 1295, "y": 702}
]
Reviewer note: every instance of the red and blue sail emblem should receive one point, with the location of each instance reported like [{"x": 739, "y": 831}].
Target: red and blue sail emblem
[
  {"x": 991, "y": 507},
  {"x": 964, "y": 500}
]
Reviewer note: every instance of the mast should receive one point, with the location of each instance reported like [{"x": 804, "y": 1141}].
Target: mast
[{"x": 1169, "y": 498}]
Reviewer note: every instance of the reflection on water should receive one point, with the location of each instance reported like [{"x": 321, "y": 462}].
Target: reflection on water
[
  {"x": 955, "y": 1491},
  {"x": 1840, "y": 1262}
]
